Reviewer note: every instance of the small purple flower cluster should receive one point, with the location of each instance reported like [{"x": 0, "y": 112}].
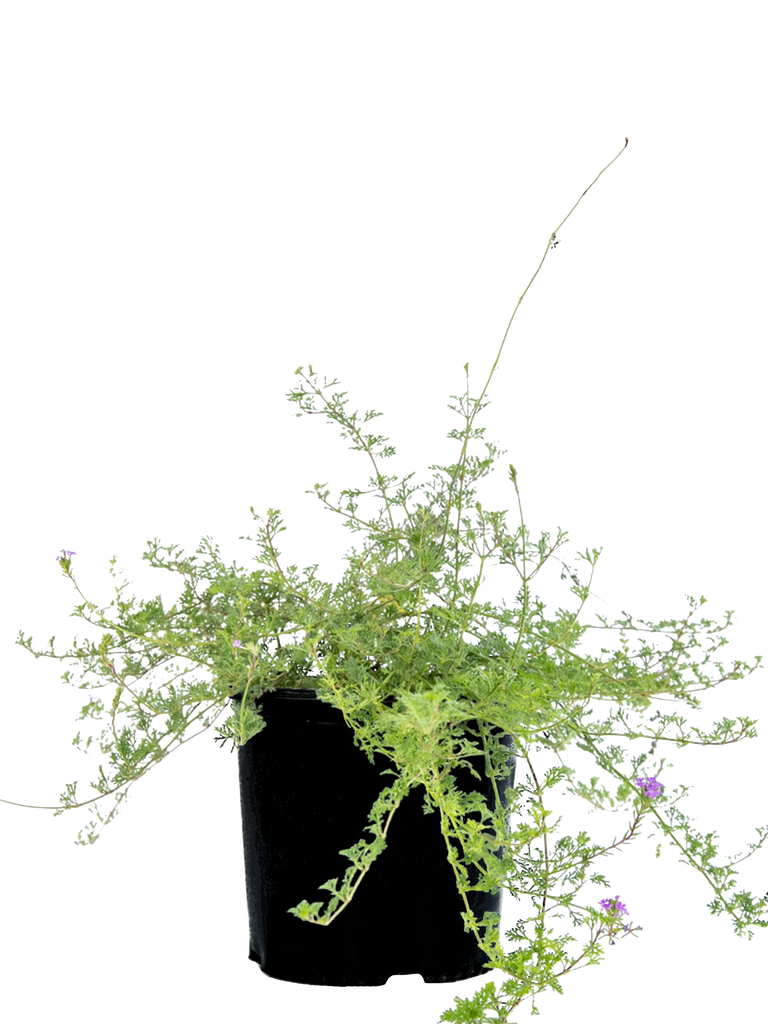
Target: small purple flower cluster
[
  {"x": 66, "y": 552},
  {"x": 65, "y": 555},
  {"x": 616, "y": 902},
  {"x": 651, "y": 786},
  {"x": 615, "y": 908},
  {"x": 238, "y": 643}
]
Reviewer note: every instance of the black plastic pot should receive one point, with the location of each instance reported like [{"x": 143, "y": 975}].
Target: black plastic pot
[{"x": 306, "y": 791}]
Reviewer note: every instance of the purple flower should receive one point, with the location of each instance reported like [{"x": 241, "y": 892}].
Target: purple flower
[
  {"x": 613, "y": 906},
  {"x": 649, "y": 786},
  {"x": 238, "y": 643},
  {"x": 66, "y": 552},
  {"x": 66, "y": 555}
]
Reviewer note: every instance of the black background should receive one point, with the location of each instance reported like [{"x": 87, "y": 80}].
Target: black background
[{"x": 179, "y": 241}]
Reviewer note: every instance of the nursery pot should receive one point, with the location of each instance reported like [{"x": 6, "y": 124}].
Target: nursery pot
[{"x": 306, "y": 791}]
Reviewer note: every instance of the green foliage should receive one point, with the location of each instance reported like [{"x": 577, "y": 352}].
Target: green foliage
[{"x": 405, "y": 645}]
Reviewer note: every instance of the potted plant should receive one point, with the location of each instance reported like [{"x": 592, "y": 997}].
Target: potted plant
[{"x": 398, "y": 697}]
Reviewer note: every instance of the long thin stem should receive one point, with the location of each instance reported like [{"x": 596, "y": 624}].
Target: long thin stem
[
  {"x": 550, "y": 246},
  {"x": 553, "y": 242}
]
